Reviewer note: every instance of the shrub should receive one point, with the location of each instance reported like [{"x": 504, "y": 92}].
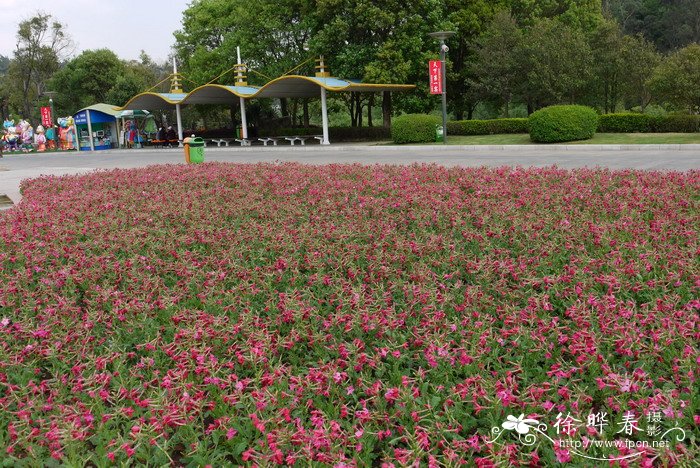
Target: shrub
[
  {"x": 562, "y": 123},
  {"x": 414, "y": 128},
  {"x": 642, "y": 123},
  {"x": 626, "y": 123},
  {"x": 676, "y": 124},
  {"x": 487, "y": 127}
]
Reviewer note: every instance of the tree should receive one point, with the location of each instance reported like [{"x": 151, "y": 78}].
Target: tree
[
  {"x": 558, "y": 64},
  {"x": 384, "y": 42},
  {"x": 677, "y": 79},
  {"x": 41, "y": 44},
  {"x": 87, "y": 79},
  {"x": 583, "y": 15},
  {"x": 608, "y": 67},
  {"x": 668, "y": 24},
  {"x": 498, "y": 63},
  {"x": 639, "y": 59}
]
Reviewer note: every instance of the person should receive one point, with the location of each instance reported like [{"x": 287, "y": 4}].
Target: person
[
  {"x": 160, "y": 136},
  {"x": 171, "y": 136}
]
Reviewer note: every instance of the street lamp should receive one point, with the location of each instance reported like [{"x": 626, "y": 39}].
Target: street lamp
[{"x": 441, "y": 36}]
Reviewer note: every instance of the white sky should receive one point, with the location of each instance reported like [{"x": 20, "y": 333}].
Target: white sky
[{"x": 124, "y": 26}]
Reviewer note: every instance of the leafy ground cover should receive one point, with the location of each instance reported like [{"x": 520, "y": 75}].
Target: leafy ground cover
[
  {"x": 598, "y": 139},
  {"x": 349, "y": 315}
]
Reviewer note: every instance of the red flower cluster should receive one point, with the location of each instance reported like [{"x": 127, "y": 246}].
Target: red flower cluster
[{"x": 343, "y": 315}]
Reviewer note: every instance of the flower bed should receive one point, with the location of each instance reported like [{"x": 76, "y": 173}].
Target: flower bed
[{"x": 236, "y": 314}]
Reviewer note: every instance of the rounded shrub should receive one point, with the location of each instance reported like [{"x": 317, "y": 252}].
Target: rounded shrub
[
  {"x": 414, "y": 128},
  {"x": 562, "y": 123}
]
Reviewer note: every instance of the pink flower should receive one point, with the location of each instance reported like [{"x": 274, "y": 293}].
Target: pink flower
[{"x": 392, "y": 394}]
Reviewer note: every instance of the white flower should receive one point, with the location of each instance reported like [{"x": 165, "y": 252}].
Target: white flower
[{"x": 520, "y": 424}]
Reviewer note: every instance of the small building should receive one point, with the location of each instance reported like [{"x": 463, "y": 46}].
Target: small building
[{"x": 97, "y": 127}]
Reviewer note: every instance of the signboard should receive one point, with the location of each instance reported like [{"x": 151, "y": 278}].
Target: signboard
[
  {"x": 435, "y": 67},
  {"x": 46, "y": 117}
]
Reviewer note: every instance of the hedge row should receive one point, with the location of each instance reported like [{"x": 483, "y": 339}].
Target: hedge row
[
  {"x": 557, "y": 124},
  {"x": 642, "y": 123},
  {"x": 486, "y": 127}
]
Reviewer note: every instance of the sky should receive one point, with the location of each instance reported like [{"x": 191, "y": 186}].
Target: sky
[{"x": 125, "y": 27}]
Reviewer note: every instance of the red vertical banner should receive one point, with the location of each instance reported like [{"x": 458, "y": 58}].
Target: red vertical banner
[
  {"x": 435, "y": 67},
  {"x": 46, "y": 117}
]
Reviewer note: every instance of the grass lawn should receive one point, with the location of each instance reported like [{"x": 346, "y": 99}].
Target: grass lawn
[{"x": 598, "y": 139}]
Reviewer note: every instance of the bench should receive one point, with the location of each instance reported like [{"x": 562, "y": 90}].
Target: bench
[
  {"x": 243, "y": 141},
  {"x": 266, "y": 140},
  {"x": 302, "y": 139},
  {"x": 224, "y": 141}
]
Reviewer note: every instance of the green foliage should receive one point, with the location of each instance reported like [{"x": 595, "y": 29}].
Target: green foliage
[
  {"x": 414, "y": 128},
  {"x": 41, "y": 43},
  {"x": 626, "y": 123},
  {"x": 669, "y": 25},
  {"x": 639, "y": 59},
  {"x": 559, "y": 60},
  {"x": 487, "y": 127},
  {"x": 87, "y": 79},
  {"x": 645, "y": 123},
  {"x": 499, "y": 65},
  {"x": 677, "y": 124},
  {"x": 563, "y": 123},
  {"x": 677, "y": 79}
]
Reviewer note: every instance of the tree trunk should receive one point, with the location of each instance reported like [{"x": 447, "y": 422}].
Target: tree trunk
[
  {"x": 306, "y": 113},
  {"x": 369, "y": 110},
  {"x": 295, "y": 108},
  {"x": 353, "y": 120},
  {"x": 284, "y": 109},
  {"x": 232, "y": 111},
  {"x": 507, "y": 108},
  {"x": 386, "y": 109},
  {"x": 359, "y": 110}
]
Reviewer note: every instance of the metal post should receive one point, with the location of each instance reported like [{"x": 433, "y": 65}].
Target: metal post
[
  {"x": 444, "y": 92},
  {"x": 324, "y": 105},
  {"x": 244, "y": 120},
  {"x": 179, "y": 124},
  {"x": 89, "y": 124},
  {"x": 324, "y": 112},
  {"x": 177, "y": 111},
  {"x": 441, "y": 36}
]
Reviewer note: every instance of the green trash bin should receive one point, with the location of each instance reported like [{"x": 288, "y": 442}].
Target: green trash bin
[
  {"x": 196, "y": 150},
  {"x": 439, "y": 134}
]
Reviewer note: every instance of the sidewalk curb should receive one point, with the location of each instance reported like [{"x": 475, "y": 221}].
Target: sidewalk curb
[{"x": 408, "y": 148}]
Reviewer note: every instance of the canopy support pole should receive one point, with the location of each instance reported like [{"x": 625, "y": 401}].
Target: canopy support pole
[
  {"x": 244, "y": 118},
  {"x": 175, "y": 87},
  {"x": 179, "y": 125},
  {"x": 92, "y": 140},
  {"x": 324, "y": 112}
]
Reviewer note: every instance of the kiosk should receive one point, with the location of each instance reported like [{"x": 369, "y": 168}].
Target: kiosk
[{"x": 97, "y": 127}]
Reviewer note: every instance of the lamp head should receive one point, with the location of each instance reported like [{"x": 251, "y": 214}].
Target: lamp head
[{"x": 442, "y": 35}]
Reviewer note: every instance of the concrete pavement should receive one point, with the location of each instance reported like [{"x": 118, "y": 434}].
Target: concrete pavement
[{"x": 16, "y": 167}]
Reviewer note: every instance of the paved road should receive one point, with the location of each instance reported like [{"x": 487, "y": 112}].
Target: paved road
[{"x": 15, "y": 167}]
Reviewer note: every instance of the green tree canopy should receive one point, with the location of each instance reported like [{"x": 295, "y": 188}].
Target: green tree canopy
[
  {"x": 41, "y": 44},
  {"x": 677, "y": 79},
  {"x": 87, "y": 79}
]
